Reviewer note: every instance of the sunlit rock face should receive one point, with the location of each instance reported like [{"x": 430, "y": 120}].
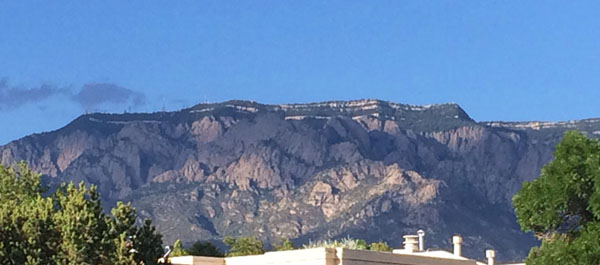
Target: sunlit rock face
[{"x": 370, "y": 169}]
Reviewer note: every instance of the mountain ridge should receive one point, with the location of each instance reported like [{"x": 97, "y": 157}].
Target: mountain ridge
[
  {"x": 367, "y": 168},
  {"x": 241, "y": 104}
]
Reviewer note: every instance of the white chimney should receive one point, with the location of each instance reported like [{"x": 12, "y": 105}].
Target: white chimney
[
  {"x": 410, "y": 243},
  {"x": 421, "y": 234},
  {"x": 457, "y": 241},
  {"x": 490, "y": 255}
]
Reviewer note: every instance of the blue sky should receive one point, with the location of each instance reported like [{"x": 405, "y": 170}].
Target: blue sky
[{"x": 500, "y": 60}]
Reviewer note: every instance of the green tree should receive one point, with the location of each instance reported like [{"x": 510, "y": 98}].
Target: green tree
[
  {"x": 68, "y": 227},
  {"x": 243, "y": 246},
  {"x": 145, "y": 241},
  {"x": 82, "y": 226},
  {"x": 178, "y": 249},
  {"x": 123, "y": 232},
  {"x": 123, "y": 221},
  {"x": 19, "y": 183},
  {"x": 285, "y": 244},
  {"x": 380, "y": 246},
  {"x": 123, "y": 252},
  {"x": 562, "y": 206},
  {"x": 148, "y": 243},
  {"x": 204, "y": 248},
  {"x": 27, "y": 234}
]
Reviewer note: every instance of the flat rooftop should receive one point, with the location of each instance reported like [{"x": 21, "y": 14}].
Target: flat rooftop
[{"x": 333, "y": 256}]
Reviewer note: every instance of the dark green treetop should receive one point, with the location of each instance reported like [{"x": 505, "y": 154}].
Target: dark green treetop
[
  {"x": 148, "y": 243},
  {"x": 204, "y": 248}
]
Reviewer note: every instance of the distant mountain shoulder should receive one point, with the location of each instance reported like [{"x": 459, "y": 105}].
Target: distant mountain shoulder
[{"x": 366, "y": 168}]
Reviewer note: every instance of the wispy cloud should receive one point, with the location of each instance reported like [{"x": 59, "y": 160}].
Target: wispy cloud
[
  {"x": 93, "y": 95},
  {"x": 14, "y": 97}
]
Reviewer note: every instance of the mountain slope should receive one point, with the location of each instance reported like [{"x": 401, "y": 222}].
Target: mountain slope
[{"x": 366, "y": 168}]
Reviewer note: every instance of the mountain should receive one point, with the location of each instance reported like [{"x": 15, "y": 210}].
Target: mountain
[{"x": 368, "y": 168}]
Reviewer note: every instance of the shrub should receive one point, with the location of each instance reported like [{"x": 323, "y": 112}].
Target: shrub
[
  {"x": 286, "y": 244},
  {"x": 348, "y": 242},
  {"x": 380, "y": 246}
]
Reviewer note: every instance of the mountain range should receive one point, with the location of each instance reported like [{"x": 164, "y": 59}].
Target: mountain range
[{"x": 367, "y": 169}]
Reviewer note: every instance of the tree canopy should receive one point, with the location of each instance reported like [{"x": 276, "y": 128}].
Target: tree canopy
[
  {"x": 243, "y": 246},
  {"x": 68, "y": 226},
  {"x": 562, "y": 206},
  {"x": 204, "y": 248}
]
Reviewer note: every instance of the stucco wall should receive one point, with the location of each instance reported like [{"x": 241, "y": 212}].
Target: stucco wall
[
  {"x": 195, "y": 260},
  {"x": 315, "y": 256}
]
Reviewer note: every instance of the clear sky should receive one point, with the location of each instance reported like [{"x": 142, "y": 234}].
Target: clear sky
[{"x": 500, "y": 60}]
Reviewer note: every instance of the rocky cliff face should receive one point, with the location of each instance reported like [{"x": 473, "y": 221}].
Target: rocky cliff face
[{"x": 367, "y": 168}]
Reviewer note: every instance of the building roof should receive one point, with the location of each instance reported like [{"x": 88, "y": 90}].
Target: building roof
[{"x": 332, "y": 256}]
